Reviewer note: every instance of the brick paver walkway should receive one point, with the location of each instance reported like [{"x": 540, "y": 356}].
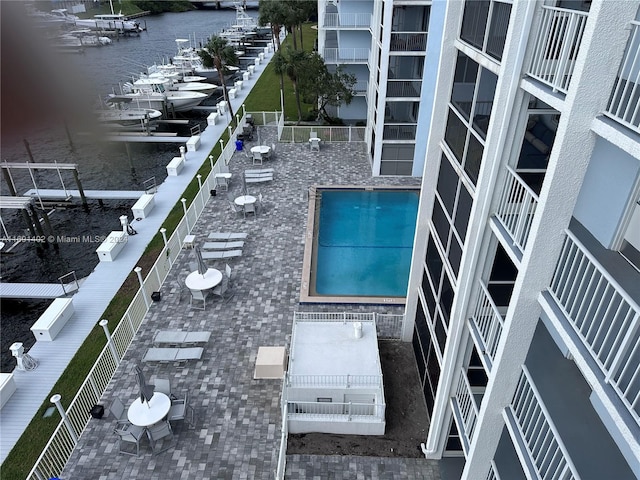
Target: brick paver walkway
[{"x": 237, "y": 431}]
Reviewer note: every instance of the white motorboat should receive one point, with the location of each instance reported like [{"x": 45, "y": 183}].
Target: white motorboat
[
  {"x": 56, "y": 18},
  {"x": 188, "y": 59},
  {"x": 172, "y": 84},
  {"x": 153, "y": 94},
  {"x": 114, "y": 21},
  {"x": 123, "y": 114}
]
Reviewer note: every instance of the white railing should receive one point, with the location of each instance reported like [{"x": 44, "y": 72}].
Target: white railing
[
  {"x": 284, "y": 434},
  {"x": 347, "y": 20},
  {"x": 556, "y": 46},
  {"x": 408, "y": 42},
  {"x": 346, "y": 55},
  {"x": 58, "y": 449},
  {"x": 604, "y": 316},
  {"x": 332, "y": 317},
  {"x": 302, "y": 133},
  {"x": 389, "y": 325},
  {"x": 493, "y": 472},
  {"x": 465, "y": 409},
  {"x": 516, "y": 209},
  {"x": 624, "y": 106},
  {"x": 343, "y": 381},
  {"x": 399, "y": 131},
  {"x": 488, "y": 323},
  {"x": 335, "y": 411},
  {"x": 544, "y": 446},
  {"x": 404, "y": 88}
]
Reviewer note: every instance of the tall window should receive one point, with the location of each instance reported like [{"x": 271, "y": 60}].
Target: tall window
[{"x": 485, "y": 24}]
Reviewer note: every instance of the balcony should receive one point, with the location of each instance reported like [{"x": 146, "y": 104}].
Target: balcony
[
  {"x": 349, "y": 21},
  {"x": 516, "y": 209},
  {"x": 556, "y": 46},
  {"x": 465, "y": 410},
  {"x": 605, "y": 318},
  {"x": 486, "y": 323},
  {"x": 408, "y": 42},
  {"x": 624, "y": 106},
  {"x": 399, "y": 132},
  {"x": 404, "y": 88},
  {"x": 534, "y": 432},
  {"x": 346, "y": 55}
]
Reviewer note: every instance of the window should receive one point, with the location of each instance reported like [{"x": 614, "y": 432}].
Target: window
[{"x": 485, "y": 24}]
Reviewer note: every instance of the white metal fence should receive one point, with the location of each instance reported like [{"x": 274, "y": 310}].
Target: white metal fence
[
  {"x": 487, "y": 322},
  {"x": 347, "y": 20},
  {"x": 548, "y": 454},
  {"x": 516, "y": 209},
  {"x": 346, "y": 55},
  {"x": 302, "y": 133},
  {"x": 624, "y": 106},
  {"x": 61, "y": 444},
  {"x": 465, "y": 410},
  {"x": 344, "y": 381},
  {"x": 335, "y": 411},
  {"x": 604, "y": 316},
  {"x": 556, "y": 46}
]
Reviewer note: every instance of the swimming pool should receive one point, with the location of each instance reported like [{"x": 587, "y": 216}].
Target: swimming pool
[{"x": 359, "y": 245}]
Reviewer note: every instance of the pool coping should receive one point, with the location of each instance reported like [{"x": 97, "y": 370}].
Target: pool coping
[{"x": 305, "y": 284}]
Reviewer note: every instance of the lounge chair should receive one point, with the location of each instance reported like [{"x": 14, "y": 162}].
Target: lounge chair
[
  {"x": 258, "y": 171},
  {"x": 259, "y": 179},
  {"x": 227, "y": 236},
  {"x": 170, "y": 354},
  {"x": 180, "y": 338},
  {"x": 223, "y": 245},
  {"x": 218, "y": 254}
]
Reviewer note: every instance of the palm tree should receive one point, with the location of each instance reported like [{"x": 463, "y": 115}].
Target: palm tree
[
  {"x": 219, "y": 54},
  {"x": 292, "y": 63}
]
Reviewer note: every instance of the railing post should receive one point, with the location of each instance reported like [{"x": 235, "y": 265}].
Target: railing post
[
  {"x": 163, "y": 231},
  {"x": 56, "y": 400},
  {"x": 184, "y": 208},
  {"x": 211, "y": 159},
  {"x": 103, "y": 323},
  {"x": 199, "y": 177},
  {"x": 138, "y": 271}
]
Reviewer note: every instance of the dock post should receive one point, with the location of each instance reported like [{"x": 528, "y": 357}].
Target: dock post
[
  {"x": 29, "y": 222},
  {"x": 80, "y": 190},
  {"x": 7, "y": 178},
  {"x": 36, "y": 222}
]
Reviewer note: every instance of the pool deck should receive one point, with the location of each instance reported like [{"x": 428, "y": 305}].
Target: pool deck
[{"x": 237, "y": 431}]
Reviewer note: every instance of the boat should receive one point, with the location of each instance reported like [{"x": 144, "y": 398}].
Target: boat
[
  {"x": 57, "y": 18},
  {"x": 171, "y": 84},
  {"x": 123, "y": 114},
  {"x": 188, "y": 59},
  {"x": 111, "y": 21},
  {"x": 154, "y": 95}
]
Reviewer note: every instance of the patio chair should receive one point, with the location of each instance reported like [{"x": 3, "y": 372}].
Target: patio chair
[
  {"x": 180, "y": 288},
  {"x": 181, "y": 411},
  {"x": 314, "y": 145},
  {"x": 235, "y": 208},
  {"x": 117, "y": 410},
  {"x": 261, "y": 203},
  {"x": 218, "y": 254},
  {"x": 222, "y": 289},
  {"x": 198, "y": 296},
  {"x": 157, "y": 434},
  {"x": 163, "y": 385},
  {"x": 129, "y": 434},
  {"x": 257, "y": 158},
  {"x": 249, "y": 208},
  {"x": 222, "y": 184},
  {"x": 313, "y": 134},
  {"x": 273, "y": 150}
]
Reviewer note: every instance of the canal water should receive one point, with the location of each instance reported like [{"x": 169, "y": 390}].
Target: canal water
[{"x": 45, "y": 100}]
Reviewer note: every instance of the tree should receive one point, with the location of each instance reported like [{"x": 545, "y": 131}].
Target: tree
[
  {"x": 321, "y": 87},
  {"x": 219, "y": 54},
  {"x": 291, "y": 63},
  {"x": 274, "y": 13}
]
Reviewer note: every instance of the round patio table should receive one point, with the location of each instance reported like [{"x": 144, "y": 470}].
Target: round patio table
[
  {"x": 147, "y": 414},
  {"x": 197, "y": 281}
]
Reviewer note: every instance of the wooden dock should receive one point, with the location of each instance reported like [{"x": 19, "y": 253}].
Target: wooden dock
[{"x": 57, "y": 194}]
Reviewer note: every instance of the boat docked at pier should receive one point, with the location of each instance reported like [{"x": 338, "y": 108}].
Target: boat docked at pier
[
  {"x": 153, "y": 94},
  {"x": 112, "y": 21},
  {"x": 124, "y": 112}
]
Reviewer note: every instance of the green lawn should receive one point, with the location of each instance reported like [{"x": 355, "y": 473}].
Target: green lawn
[{"x": 265, "y": 96}]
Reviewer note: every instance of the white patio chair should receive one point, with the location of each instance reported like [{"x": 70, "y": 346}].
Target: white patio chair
[
  {"x": 314, "y": 145},
  {"x": 222, "y": 184},
  {"x": 198, "y": 296},
  {"x": 260, "y": 203},
  {"x": 313, "y": 134},
  {"x": 257, "y": 158},
  {"x": 225, "y": 286},
  {"x": 163, "y": 385},
  {"x": 273, "y": 150},
  {"x": 159, "y": 432},
  {"x": 235, "y": 208},
  {"x": 249, "y": 208},
  {"x": 117, "y": 410},
  {"x": 129, "y": 434}
]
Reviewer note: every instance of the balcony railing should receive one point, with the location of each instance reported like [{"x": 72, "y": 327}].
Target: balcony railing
[
  {"x": 399, "y": 132},
  {"x": 346, "y": 55},
  {"x": 347, "y": 20},
  {"x": 487, "y": 322},
  {"x": 493, "y": 472},
  {"x": 516, "y": 209},
  {"x": 404, "y": 88},
  {"x": 335, "y": 411},
  {"x": 556, "y": 46},
  {"x": 408, "y": 42},
  {"x": 544, "y": 446},
  {"x": 342, "y": 381},
  {"x": 604, "y": 316},
  {"x": 465, "y": 410},
  {"x": 624, "y": 106}
]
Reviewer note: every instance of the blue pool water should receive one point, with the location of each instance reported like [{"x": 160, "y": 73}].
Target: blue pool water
[{"x": 364, "y": 242}]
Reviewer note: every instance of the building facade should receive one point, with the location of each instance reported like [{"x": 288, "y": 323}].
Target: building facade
[
  {"x": 385, "y": 44},
  {"x": 524, "y": 292}
]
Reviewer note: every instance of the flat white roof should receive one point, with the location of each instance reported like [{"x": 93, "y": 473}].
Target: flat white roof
[{"x": 331, "y": 348}]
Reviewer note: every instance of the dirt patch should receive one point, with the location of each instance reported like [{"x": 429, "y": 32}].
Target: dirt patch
[{"x": 406, "y": 415}]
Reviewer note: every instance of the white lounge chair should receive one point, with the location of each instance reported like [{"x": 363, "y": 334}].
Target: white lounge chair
[
  {"x": 223, "y": 245},
  {"x": 227, "y": 236},
  {"x": 171, "y": 354},
  {"x": 259, "y": 178},
  {"x": 218, "y": 254},
  {"x": 258, "y": 171},
  {"x": 180, "y": 338}
]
